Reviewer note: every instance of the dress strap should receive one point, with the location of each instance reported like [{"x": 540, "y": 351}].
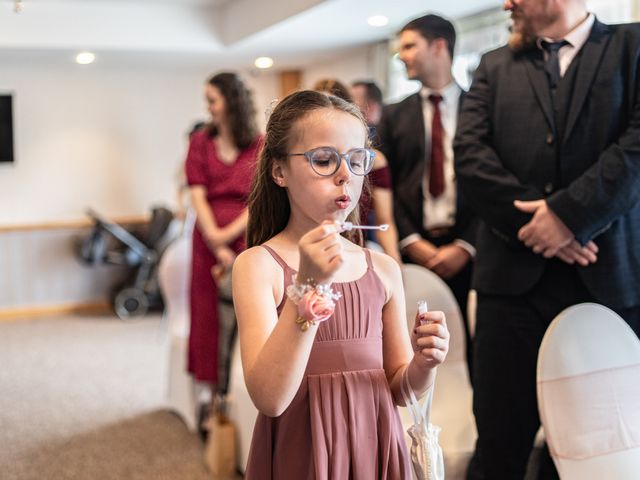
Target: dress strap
[
  {"x": 278, "y": 258},
  {"x": 367, "y": 254},
  {"x": 288, "y": 273}
]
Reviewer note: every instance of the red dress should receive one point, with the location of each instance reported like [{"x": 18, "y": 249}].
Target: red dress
[
  {"x": 227, "y": 188},
  {"x": 380, "y": 178}
]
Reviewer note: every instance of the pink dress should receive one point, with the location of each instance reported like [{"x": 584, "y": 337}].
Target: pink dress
[
  {"x": 228, "y": 187},
  {"x": 342, "y": 423}
]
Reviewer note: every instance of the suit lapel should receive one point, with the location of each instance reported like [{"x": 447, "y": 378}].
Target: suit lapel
[
  {"x": 533, "y": 64},
  {"x": 591, "y": 56},
  {"x": 410, "y": 134},
  {"x": 420, "y": 164},
  {"x": 418, "y": 121}
]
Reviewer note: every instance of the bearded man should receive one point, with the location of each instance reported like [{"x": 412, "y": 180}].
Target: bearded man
[{"x": 547, "y": 152}]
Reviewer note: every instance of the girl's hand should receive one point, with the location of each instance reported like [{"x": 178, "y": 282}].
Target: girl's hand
[
  {"x": 430, "y": 339},
  {"x": 320, "y": 254}
]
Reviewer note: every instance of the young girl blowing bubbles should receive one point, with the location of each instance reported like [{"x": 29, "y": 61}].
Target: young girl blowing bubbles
[{"x": 322, "y": 325}]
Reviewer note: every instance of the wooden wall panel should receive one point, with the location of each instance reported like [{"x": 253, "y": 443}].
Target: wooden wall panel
[{"x": 290, "y": 81}]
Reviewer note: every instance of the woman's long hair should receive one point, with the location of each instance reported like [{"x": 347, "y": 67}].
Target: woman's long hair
[
  {"x": 241, "y": 112},
  {"x": 269, "y": 208}
]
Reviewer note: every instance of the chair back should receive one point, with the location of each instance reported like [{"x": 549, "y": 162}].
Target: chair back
[
  {"x": 174, "y": 274},
  {"x": 588, "y": 387},
  {"x": 452, "y": 398},
  {"x": 423, "y": 284}
]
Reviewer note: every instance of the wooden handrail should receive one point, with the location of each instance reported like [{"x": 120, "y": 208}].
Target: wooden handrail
[
  {"x": 38, "y": 311},
  {"x": 71, "y": 224}
]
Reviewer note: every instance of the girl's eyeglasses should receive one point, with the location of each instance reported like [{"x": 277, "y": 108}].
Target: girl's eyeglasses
[{"x": 326, "y": 161}]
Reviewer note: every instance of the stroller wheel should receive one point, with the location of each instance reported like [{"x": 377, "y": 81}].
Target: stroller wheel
[{"x": 130, "y": 302}]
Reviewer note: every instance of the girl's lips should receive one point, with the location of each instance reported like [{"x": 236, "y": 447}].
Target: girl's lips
[{"x": 343, "y": 201}]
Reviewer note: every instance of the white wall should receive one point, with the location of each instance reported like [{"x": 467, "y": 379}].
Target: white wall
[
  {"x": 112, "y": 136},
  {"x": 367, "y": 62},
  {"x": 107, "y": 136}
]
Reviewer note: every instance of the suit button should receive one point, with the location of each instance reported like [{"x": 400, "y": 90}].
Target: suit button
[
  {"x": 550, "y": 138},
  {"x": 548, "y": 188}
]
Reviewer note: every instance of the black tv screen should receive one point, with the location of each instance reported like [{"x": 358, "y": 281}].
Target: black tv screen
[{"x": 6, "y": 128}]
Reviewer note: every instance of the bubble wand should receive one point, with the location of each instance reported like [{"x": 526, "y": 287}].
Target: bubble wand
[{"x": 345, "y": 226}]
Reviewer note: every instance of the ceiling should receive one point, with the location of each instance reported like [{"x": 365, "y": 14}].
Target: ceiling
[{"x": 294, "y": 32}]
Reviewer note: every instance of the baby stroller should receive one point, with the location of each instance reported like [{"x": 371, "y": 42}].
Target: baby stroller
[{"x": 110, "y": 243}]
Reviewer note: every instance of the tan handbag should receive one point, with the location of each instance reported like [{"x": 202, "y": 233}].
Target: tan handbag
[
  {"x": 220, "y": 450},
  {"x": 426, "y": 454}
]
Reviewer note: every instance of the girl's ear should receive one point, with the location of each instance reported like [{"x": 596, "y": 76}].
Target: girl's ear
[{"x": 277, "y": 173}]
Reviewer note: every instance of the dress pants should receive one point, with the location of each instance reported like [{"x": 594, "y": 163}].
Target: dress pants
[{"x": 508, "y": 334}]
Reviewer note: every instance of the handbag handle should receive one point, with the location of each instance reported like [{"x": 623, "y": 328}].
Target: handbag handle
[{"x": 420, "y": 413}]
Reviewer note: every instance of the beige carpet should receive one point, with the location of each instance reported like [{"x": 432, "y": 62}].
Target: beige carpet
[{"x": 82, "y": 398}]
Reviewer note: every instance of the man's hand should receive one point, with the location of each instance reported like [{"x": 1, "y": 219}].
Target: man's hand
[
  {"x": 576, "y": 253},
  {"x": 420, "y": 251},
  {"x": 545, "y": 233},
  {"x": 448, "y": 260}
]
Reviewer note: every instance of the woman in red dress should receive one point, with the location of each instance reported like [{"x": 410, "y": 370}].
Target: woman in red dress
[{"x": 219, "y": 169}]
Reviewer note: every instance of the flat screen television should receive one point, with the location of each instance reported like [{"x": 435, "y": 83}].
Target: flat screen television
[{"x": 6, "y": 128}]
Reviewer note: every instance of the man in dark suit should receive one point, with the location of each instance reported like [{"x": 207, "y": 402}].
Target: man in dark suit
[
  {"x": 548, "y": 153},
  {"x": 416, "y": 135}
]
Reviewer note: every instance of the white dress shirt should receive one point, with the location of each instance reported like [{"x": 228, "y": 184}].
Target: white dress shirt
[
  {"x": 441, "y": 211},
  {"x": 576, "y": 38}
]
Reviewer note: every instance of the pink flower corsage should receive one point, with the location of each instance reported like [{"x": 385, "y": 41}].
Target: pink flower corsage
[
  {"x": 315, "y": 302},
  {"x": 316, "y": 307}
]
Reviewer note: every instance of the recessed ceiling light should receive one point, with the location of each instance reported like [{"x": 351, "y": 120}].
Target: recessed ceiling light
[
  {"x": 85, "y": 58},
  {"x": 377, "y": 20},
  {"x": 263, "y": 62}
]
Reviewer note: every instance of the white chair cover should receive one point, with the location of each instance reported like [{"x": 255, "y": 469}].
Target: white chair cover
[
  {"x": 452, "y": 400},
  {"x": 174, "y": 274},
  {"x": 588, "y": 389},
  {"x": 241, "y": 408}
]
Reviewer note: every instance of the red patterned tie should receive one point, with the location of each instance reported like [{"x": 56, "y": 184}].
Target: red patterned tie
[{"x": 436, "y": 165}]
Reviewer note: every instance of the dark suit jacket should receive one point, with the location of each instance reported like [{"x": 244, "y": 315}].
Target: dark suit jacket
[
  {"x": 507, "y": 148},
  {"x": 402, "y": 140}
]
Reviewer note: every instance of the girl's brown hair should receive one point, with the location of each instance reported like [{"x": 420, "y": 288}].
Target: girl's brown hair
[
  {"x": 240, "y": 109},
  {"x": 269, "y": 207}
]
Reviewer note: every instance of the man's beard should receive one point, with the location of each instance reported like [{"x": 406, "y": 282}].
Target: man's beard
[{"x": 521, "y": 39}]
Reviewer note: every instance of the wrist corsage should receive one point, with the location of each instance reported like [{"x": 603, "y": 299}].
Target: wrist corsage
[{"x": 316, "y": 303}]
